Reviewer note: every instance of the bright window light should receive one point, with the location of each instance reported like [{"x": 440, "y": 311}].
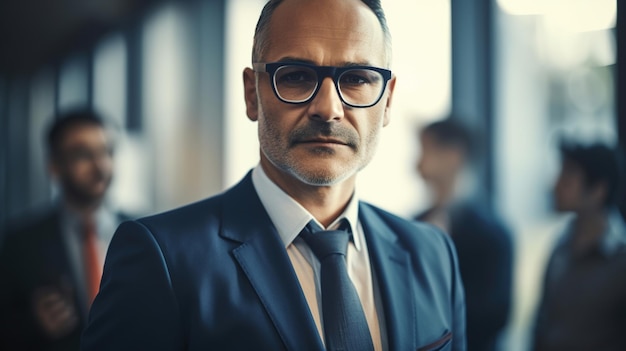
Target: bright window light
[
  {"x": 523, "y": 7},
  {"x": 109, "y": 81},
  {"x": 570, "y": 15},
  {"x": 241, "y": 142},
  {"x": 73, "y": 82},
  {"x": 582, "y": 15}
]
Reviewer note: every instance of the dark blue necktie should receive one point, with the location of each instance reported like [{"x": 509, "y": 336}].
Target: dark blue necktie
[{"x": 345, "y": 326}]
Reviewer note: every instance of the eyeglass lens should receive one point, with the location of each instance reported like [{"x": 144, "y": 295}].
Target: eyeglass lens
[{"x": 356, "y": 86}]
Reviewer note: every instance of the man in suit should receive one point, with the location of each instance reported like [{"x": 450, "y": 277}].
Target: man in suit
[
  {"x": 244, "y": 270},
  {"x": 483, "y": 244},
  {"x": 50, "y": 265}
]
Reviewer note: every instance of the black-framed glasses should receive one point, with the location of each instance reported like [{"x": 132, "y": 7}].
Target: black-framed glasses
[{"x": 298, "y": 83}]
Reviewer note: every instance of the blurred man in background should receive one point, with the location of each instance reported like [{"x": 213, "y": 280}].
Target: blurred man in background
[
  {"x": 483, "y": 244},
  {"x": 583, "y": 304},
  {"x": 51, "y": 261}
]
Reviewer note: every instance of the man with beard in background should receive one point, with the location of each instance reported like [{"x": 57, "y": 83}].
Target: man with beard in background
[{"x": 51, "y": 261}]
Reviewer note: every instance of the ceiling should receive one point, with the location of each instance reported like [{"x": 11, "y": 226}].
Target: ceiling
[{"x": 35, "y": 32}]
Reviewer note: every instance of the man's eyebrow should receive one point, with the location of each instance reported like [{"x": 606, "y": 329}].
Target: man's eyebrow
[
  {"x": 289, "y": 59},
  {"x": 350, "y": 64}
]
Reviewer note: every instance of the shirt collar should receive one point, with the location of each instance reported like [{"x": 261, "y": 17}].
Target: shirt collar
[
  {"x": 104, "y": 218},
  {"x": 288, "y": 216}
]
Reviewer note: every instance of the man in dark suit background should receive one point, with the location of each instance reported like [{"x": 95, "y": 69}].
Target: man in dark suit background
[
  {"x": 244, "y": 270},
  {"x": 582, "y": 304},
  {"x": 51, "y": 260},
  {"x": 483, "y": 244}
]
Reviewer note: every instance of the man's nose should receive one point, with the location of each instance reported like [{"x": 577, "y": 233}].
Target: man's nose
[
  {"x": 326, "y": 105},
  {"x": 102, "y": 159}
]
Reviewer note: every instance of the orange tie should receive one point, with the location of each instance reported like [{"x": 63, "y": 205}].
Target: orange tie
[{"x": 91, "y": 257}]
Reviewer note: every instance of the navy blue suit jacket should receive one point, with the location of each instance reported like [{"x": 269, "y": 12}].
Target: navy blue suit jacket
[
  {"x": 215, "y": 275},
  {"x": 484, "y": 247}
]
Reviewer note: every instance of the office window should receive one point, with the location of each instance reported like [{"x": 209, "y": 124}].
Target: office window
[
  {"x": 167, "y": 104},
  {"x": 555, "y": 68},
  {"x": 41, "y": 111},
  {"x": 555, "y": 78},
  {"x": 109, "y": 78},
  {"x": 73, "y": 82},
  {"x": 241, "y": 142},
  {"x": 129, "y": 189}
]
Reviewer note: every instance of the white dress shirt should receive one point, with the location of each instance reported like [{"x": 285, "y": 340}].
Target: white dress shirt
[
  {"x": 72, "y": 230},
  {"x": 289, "y": 218}
]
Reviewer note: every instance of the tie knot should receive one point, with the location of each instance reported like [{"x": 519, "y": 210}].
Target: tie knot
[{"x": 324, "y": 243}]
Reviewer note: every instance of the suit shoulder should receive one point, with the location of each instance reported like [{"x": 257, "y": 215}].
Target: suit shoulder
[
  {"x": 381, "y": 212},
  {"x": 480, "y": 216},
  {"x": 420, "y": 233},
  {"x": 203, "y": 210},
  {"x": 123, "y": 216},
  {"x": 397, "y": 221}
]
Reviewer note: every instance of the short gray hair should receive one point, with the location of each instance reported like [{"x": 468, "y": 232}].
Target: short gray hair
[{"x": 261, "y": 40}]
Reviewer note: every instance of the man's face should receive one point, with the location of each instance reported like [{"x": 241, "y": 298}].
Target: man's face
[
  {"x": 84, "y": 166},
  {"x": 571, "y": 193},
  {"x": 438, "y": 162},
  {"x": 322, "y": 142}
]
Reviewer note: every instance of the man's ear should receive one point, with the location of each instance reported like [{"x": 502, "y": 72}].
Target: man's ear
[
  {"x": 249, "y": 91},
  {"x": 391, "y": 85}
]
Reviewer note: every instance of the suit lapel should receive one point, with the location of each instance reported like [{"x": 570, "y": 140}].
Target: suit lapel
[
  {"x": 264, "y": 260},
  {"x": 391, "y": 265}
]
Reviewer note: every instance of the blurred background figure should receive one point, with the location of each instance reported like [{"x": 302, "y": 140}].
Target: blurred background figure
[
  {"x": 51, "y": 260},
  {"x": 583, "y": 304},
  {"x": 483, "y": 244}
]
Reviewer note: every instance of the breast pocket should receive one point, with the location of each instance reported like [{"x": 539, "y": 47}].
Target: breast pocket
[{"x": 441, "y": 344}]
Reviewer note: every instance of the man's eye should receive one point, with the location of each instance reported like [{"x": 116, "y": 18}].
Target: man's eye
[
  {"x": 359, "y": 77},
  {"x": 79, "y": 155},
  {"x": 297, "y": 76},
  {"x": 354, "y": 79}
]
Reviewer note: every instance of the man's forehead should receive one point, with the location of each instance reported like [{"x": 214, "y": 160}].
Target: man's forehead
[
  {"x": 301, "y": 27},
  {"x": 92, "y": 132}
]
